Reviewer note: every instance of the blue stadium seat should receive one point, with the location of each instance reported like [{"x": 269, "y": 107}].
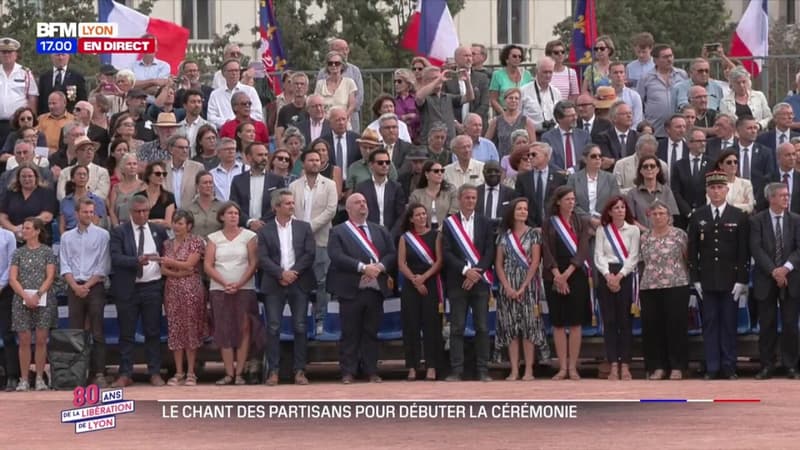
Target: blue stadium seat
[
  {"x": 331, "y": 325},
  {"x": 392, "y": 325}
]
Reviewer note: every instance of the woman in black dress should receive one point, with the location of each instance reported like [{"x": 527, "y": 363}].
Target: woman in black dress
[
  {"x": 419, "y": 256},
  {"x": 162, "y": 201},
  {"x": 565, "y": 251}
]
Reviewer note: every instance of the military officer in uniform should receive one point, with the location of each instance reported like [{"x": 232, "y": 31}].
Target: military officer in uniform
[
  {"x": 17, "y": 85},
  {"x": 718, "y": 265}
]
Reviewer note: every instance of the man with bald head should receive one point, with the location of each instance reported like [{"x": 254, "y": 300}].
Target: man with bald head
[
  {"x": 350, "y": 71},
  {"x": 480, "y": 85},
  {"x": 699, "y": 75},
  {"x": 539, "y": 97},
  {"x": 50, "y": 124},
  {"x": 698, "y": 99},
  {"x": 362, "y": 255}
]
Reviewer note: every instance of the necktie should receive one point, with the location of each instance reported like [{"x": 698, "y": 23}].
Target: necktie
[
  {"x": 59, "y": 78},
  {"x": 786, "y": 179},
  {"x": 782, "y": 138},
  {"x": 586, "y": 126},
  {"x": 716, "y": 215},
  {"x": 540, "y": 192},
  {"x": 339, "y": 153},
  {"x": 695, "y": 165},
  {"x": 745, "y": 163},
  {"x": 140, "y": 251},
  {"x": 778, "y": 241},
  {"x": 622, "y": 137},
  {"x": 674, "y": 156},
  {"x": 489, "y": 209},
  {"x": 365, "y": 229},
  {"x": 568, "y": 150}
]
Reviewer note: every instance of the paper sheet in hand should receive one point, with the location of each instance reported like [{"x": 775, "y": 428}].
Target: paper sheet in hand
[{"x": 42, "y": 299}]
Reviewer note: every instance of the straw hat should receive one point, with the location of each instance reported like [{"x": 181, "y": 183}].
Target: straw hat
[
  {"x": 166, "y": 120},
  {"x": 370, "y": 137}
]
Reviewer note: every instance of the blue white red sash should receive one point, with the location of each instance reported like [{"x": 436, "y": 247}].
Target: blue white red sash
[
  {"x": 570, "y": 240},
  {"x": 425, "y": 253},
  {"x": 516, "y": 248},
  {"x": 621, "y": 251},
  {"x": 467, "y": 246},
  {"x": 363, "y": 241}
]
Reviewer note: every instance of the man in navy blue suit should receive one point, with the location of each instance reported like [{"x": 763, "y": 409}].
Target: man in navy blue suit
[
  {"x": 566, "y": 141},
  {"x": 255, "y": 205},
  {"x": 137, "y": 288},
  {"x": 362, "y": 255}
]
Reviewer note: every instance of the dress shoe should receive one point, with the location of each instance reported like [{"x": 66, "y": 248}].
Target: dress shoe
[
  {"x": 11, "y": 384},
  {"x": 156, "y": 380},
  {"x": 300, "y": 378},
  {"x": 657, "y": 374},
  {"x": 764, "y": 374},
  {"x": 730, "y": 376},
  {"x": 123, "y": 381},
  {"x": 347, "y": 379},
  {"x": 484, "y": 376},
  {"x": 272, "y": 379},
  {"x": 375, "y": 379},
  {"x": 710, "y": 376},
  {"x": 792, "y": 374},
  {"x": 100, "y": 381},
  {"x": 453, "y": 377}
]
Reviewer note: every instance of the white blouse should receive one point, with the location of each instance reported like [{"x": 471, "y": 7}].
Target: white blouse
[
  {"x": 604, "y": 254},
  {"x": 231, "y": 258}
]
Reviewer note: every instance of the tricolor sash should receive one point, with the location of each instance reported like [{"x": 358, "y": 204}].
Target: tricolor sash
[
  {"x": 467, "y": 246},
  {"x": 621, "y": 251},
  {"x": 425, "y": 253},
  {"x": 363, "y": 241},
  {"x": 516, "y": 248},
  {"x": 570, "y": 240}
]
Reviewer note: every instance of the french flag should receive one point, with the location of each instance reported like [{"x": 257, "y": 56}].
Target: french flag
[
  {"x": 751, "y": 39},
  {"x": 172, "y": 38},
  {"x": 431, "y": 32}
]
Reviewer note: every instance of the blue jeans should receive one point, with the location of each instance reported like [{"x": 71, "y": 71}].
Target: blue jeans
[{"x": 298, "y": 303}]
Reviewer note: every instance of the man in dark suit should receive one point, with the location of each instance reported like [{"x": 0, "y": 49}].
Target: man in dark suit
[
  {"x": 137, "y": 287},
  {"x": 786, "y": 156},
  {"x": 397, "y": 148},
  {"x": 493, "y": 197},
  {"x": 480, "y": 86},
  {"x": 286, "y": 251},
  {"x": 724, "y": 135},
  {"x": 344, "y": 148},
  {"x": 756, "y": 162},
  {"x": 783, "y": 116},
  {"x": 618, "y": 141},
  {"x": 587, "y": 119},
  {"x": 566, "y": 141},
  {"x": 362, "y": 255},
  {"x": 384, "y": 196},
  {"x": 539, "y": 184},
  {"x": 315, "y": 125},
  {"x": 718, "y": 264},
  {"x": 63, "y": 79},
  {"x": 674, "y": 147},
  {"x": 255, "y": 216},
  {"x": 775, "y": 245},
  {"x": 687, "y": 178},
  {"x": 469, "y": 249}
]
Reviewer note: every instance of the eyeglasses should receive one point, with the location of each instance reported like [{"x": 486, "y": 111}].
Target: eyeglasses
[
  {"x": 702, "y": 70},
  {"x": 245, "y": 103},
  {"x": 580, "y": 105},
  {"x": 283, "y": 158},
  {"x": 235, "y": 54},
  {"x": 649, "y": 166},
  {"x": 595, "y": 156},
  {"x": 732, "y": 162},
  {"x": 515, "y": 55},
  {"x": 436, "y": 170},
  {"x": 600, "y": 49},
  {"x": 418, "y": 69},
  {"x": 698, "y": 140},
  {"x": 533, "y": 155},
  {"x": 334, "y": 63},
  {"x": 160, "y": 174},
  {"x": 557, "y": 52},
  {"x": 398, "y": 81},
  {"x": 383, "y": 162}
]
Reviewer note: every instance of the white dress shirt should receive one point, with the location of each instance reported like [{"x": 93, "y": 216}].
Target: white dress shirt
[
  {"x": 789, "y": 181},
  {"x": 55, "y": 74},
  {"x": 340, "y": 138},
  {"x": 535, "y": 110},
  {"x": 572, "y": 146},
  {"x": 778, "y": 134},
  {"x": 678, "y": 152},
  {"x": 220, "y": 109},
  {"x": 177, "y": 182},
  {"x": 151, "y": 271},
  {"x": 748, "y": 155},
  {"x": 285, "y": 240},
  {"x": 469, "y": 228},
  {"x": 190, "y": 131},
  {"x": 256, "y": 195},
  {"x": 380, "y": 189}
]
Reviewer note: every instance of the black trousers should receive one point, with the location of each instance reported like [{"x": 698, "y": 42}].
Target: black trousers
[
  {"x": 146, "y": 302},
  {"x": 478, "y": 300},
  {"x": 361, "y": 318},
  {"x": 91, "y": 306},
  {"x": 10, "y": 348},
  {"x": 768, "y": 328},
  {"x": 421, "y": 314},
  {"x": 615, "y": 307},
  {"x": 665, "y": 328}
]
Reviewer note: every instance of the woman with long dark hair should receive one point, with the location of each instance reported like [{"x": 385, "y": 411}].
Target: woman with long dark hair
[
  {"x": 205, "y": 147},
  {"x": 419, "y": 259},
  {"x": 435, "y": 194},
  {"x": 162, "y": 201},
  {"x": 327, "y": 169}
]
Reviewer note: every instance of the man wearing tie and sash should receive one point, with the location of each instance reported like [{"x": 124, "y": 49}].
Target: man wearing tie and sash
[
  {"x": 468, "y": 251},
  {"x": 362, "y": 254}
]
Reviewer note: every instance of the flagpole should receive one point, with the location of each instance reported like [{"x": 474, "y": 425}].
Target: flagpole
[{"x": 764, "y": 58}]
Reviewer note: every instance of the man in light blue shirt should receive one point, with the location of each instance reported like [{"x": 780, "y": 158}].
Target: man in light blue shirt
[
  {"x": 635, "y": 70},
  {"x": 8, "y": 245},
  {"x": 699, "y": 76},
  {"x": 483, "y": 150},
  {"x": 151, "y": 73},
  {"x": 85, "y": 264}
]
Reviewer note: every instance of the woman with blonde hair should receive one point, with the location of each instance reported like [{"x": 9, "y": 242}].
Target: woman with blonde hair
[
  {"x": 404, "y": 102},
  {"x": 418, "y": 65},
  {"x": 337, "y": 89}
]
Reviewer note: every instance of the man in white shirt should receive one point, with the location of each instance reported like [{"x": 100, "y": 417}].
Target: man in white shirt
[
  {"x": 193, "y": 105},
  {"x": 464, "y": 170},
  {"x": 231, "y": 51},
  {"x": 674, "y": 147},
  {"x": 539, "y": 97},
  {"x": 219, "y": 105},
  {"x": 17, "y": 86},
  {"x": 8, "y": 245},
  {"x": 229, "y": 166},
  {"x": 99, "y": 181}
]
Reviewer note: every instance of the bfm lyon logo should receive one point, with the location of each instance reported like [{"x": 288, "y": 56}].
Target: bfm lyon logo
[{"x": 95, "y": 410}]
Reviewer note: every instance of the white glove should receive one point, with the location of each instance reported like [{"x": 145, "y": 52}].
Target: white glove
[
  {"x": 699, "y": 289},
  {"x": 693, "y": 301},
  {"x": 739, "y": 290}
]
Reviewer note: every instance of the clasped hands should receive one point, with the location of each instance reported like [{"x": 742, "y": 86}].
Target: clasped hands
[
  {"x": 471, "y": 277},
  {"x": 613, "y": 282},
  {"x": 560, "y": 282},
  {"x": 288, "y": 277},
  {"x": 780, "y": 275}
]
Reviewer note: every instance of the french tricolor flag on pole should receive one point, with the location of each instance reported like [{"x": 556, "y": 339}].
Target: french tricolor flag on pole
[
  {"x": 751, "y": 39},
  {"x": 431, "y": 32},
  {"x": 172, "y": 39}
]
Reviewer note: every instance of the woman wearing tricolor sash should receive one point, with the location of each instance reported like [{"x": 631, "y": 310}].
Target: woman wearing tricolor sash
[
  {"x": 519, "y": 252},
  {"x": 616, "y": 254},
  {"x": 419, "y": 259},
  {"x": 566, "y": 272}
]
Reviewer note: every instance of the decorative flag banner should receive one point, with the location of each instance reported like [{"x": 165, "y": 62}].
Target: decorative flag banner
[
  {"x": 172, "y": 38},
  {"x": 271, "y": 51},
  {"x": 431, "y": 32},
  {"x": 584, "y": 34},
  {"x": 751, "y": 38}
]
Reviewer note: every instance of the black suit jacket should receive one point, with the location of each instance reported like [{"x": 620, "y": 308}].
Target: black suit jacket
[
  {"x": 454, "y": 257},
  {"x": 393, "y": 203},
  {"x": 719, "y": 254},
  {"x": 768, "y": 138},
  {"x": 762, "y": 247},
  {"x": 353, "y": 152},
  {"x": 71, "y": 78},
  {"x": 399, "y": 153},
  {"x": 663, "y": 152},
  {"x": 611, "y": 147},
  {"x": 689, "y": 191},
  {"x": 346, "y": 253},
  {"x": 240, "y": 194},
  {"x": 525, "y": 187},
  {"x": 714, "y": 147},
  {"x": 305, "y": 128},
  {"x": 794, "y": 202},
  {"x": 762, "y": 166},
  {"x": 599, "y": 127},
  {"x": 124, "y": 260},
  {"x": 506, "y": 196},
  {"x": 269, "y": 256}
]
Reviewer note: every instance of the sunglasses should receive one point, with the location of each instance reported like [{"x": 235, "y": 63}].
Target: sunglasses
[
  {"x": 398, "y": 81},
  {"x": 282, "y": 158},
  {"x": 160, "y": 174},
  {"x": 557, "y": 52},
  {"x": 436, "y": 170},
  {"x": 649, "y": 166},
  {"x": 515, "y": 55},
  {"x": 533, "y": 155},
  {"x": 418, "y": 69},
  {"x": 600, "y": 49},
  {"x": 26, "y": 119},
  {"x": 77, "y": 109},
  {"x": 383, "y": 162},
  {"x": 334, "y": 63},
  {"x": 595, "y": 156},
  {"x": 731, "y": 162}
]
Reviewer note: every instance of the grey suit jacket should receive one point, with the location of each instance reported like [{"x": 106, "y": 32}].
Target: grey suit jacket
[
  {"x": 579, "y": 140},
  {"x": 479, "y": 106},
  {"x": 606, "y": 188}
]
